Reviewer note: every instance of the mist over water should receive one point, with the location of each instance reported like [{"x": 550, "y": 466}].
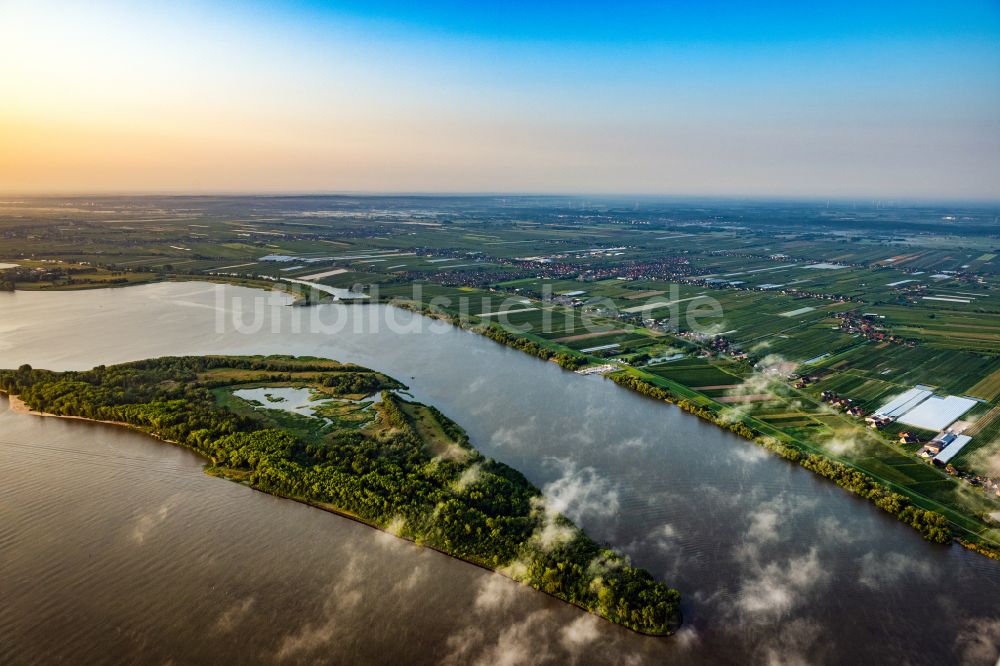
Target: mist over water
[{"x": 116, "y": 547}]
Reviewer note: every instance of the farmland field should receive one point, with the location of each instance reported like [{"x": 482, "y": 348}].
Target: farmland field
[{"x": 752, "y": 315}]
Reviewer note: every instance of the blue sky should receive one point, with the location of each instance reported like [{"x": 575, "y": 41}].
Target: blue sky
[
  {"x": 881, "y": 98},
  {"x": 645, "y": 22}
]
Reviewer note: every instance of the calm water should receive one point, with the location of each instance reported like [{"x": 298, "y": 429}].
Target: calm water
[{"x": 116, "y": 547}]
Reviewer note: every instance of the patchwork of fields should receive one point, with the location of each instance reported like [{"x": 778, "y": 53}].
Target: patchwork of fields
[{"x": 727, "y": 310}]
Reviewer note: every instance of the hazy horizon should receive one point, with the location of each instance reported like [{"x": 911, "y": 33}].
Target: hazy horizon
[
  {"x": 896, "y": 101},
  {"x": 859, "y": 201}
]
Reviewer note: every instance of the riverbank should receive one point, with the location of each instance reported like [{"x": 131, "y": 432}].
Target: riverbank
[
  {"x": 18, "y": 406},
  {"x": 225, "y": 473},
  {"x": 884, "y": 494},
  {"x": 470, "y": 508},
  {"x": 968, "y": 526},
  {"x": 300, "y": 296}
]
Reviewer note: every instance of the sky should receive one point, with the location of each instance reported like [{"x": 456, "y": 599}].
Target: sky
[{"x": 791, "y": 99}]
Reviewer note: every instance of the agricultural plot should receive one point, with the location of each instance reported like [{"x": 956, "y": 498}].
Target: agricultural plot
[
  {"x": 482, "y": 258},
  {"x": 969, "y": 331},
  {"x": 864, "y": 391},
  {"x": 985, "y": 426},
  {"x": 785, "y": 414},
  {"x": 951, "y": 371},
  {"x": 697, "y": 373},
  {"x": 624, "y": 341},
  {"x": 808, "y": 344},
  {"x": 752, "y": 320},
  {"x": 541, "y": 285},
  {"x": 982, "y": 454}
]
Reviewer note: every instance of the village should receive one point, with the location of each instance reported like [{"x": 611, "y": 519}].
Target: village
[{"x": 923, "y": 410}]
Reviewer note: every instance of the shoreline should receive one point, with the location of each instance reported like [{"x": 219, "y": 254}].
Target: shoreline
[
  {"x": 751, "y": 436},
  {"x": 18, "y": 406},
  {"x": 480, "y": 565},
  {"x": 991, "y": 551}
]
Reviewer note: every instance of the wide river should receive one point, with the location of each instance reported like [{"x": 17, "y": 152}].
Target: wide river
[{"x": 115, "y": 547}]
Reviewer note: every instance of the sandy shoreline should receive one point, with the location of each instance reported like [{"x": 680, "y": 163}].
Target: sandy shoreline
[{"x": 18, "y": 406}]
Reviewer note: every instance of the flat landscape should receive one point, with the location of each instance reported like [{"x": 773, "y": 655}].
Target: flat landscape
[
  {"x": 799, "y": 321},
  {"x": 712, "y": 288}
]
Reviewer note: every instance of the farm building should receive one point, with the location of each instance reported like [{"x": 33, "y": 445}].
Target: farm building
[
  {"x": 877, "y": 421},
  {"x": 937, "y": 413},
  {"x": 920, "y": 408},
  {"x": 590, "y": 350},
  {"x": 904, "y": 402},
  {"x": 934, "y": 447},
  {"x": 952, "y": 449}
]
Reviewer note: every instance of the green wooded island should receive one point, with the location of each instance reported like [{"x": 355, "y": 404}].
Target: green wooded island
[{"x": 338, "y": 436}]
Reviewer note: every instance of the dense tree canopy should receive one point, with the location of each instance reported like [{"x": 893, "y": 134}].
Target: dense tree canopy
[{"x": 385, "y": 472}]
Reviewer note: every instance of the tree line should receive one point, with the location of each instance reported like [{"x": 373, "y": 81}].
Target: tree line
[
  {"x": 470, "y": 507},
  {"x": 932, "y": 525}
]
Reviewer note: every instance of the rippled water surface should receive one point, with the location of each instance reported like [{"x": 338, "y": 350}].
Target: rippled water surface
[{"x": 114, "y": 546}]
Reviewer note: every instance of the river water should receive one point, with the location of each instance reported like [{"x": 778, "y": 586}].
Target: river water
[{"x": 115, "y": 547}]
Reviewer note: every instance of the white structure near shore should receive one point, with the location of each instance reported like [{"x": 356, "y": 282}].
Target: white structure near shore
[
  {"x": 920, "y": 408},
  {"x": 936, "y": 413},
  {"x": 952, "y": 449}
]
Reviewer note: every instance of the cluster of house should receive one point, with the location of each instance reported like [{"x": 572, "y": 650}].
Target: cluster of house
[
  {"x": 940, "y": 450},
  {"x": 946, "y": 446},
  {"x": 713, "y": 345},
  {"x": 724, "y": 346},
  {"x": 784, "y": 289},
  {"x": 802, "y": 381},
  {"x": 843, "y": 404},
  {"x": 941, "y": 441},
  {"x": 985, "y": 482},
  {"x": 869, "y": 326},
  {"x": 570, "y": 299},
  {"x": 878, "y": 421}
]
